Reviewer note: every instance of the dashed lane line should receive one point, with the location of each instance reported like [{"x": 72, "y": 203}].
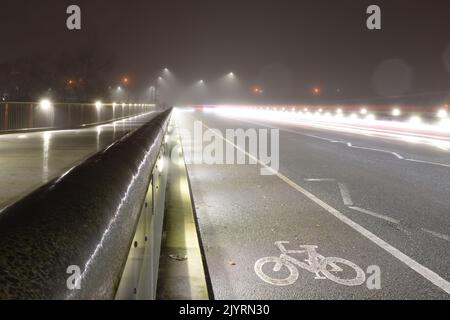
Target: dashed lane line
[
  {"x": 345, "y": 194},
  {"x": 374, "y": 214}
]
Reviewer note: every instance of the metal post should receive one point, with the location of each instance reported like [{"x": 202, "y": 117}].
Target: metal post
[
  {"x": 30, "y": 120},
  {"x": 6, "y": 117}
]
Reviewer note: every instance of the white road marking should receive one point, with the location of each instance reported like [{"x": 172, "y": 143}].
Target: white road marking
[
  {"x": 437, "y": 235},
  {"x": 345, "y": 193},
  {"x": 377, "y": 215},
  {"x": 411, "y": 263},
  {"x": 350, "y": 145},
  {"x": 320, "y": 180},
  {"x": 377, "y": 150},
  {"x": 321, "y": 266},
  {"x": 428, "y": 162}
]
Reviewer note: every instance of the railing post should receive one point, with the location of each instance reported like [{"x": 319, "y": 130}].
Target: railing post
[
  {"x": 6, "y": 117},
  {"x": 30, "y": 120},
  {"x": 69, "y": 110}
]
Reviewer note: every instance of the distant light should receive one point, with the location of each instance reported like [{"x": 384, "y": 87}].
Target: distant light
[
  {"x": 396, "y": 112},
  {"x": 415, "y": 120},
  {"x": 445, "y": 123},
  {"x": 364, "y": 111},
  {"x": 125, "y": 80},
  {"x": 98, "y": 104},
  {"x": 370, "y": 117},
  {"x": 320, "y": 110},
  {"x": 114, "y": 104},
  {"x": 124, "y": 104},
  {"x": 231, "y": 74},
  {"x": 339, "y": 111},
  {"x": 161, "y": 165},
  {"x": 160, "y": 78},
  {"x": 316, "y": 91},
  {"x": 45, "y": 104},
  {"x": 442, "y": 114},
  {"x": 353, "y": 116},
  {"x": 305, "y": 109},
  {"x": 119, "y": 88},
  {"x": 201, "y": 82},
  {"x": 166, "y": 70},
  {"x": 22, "y": 136}
]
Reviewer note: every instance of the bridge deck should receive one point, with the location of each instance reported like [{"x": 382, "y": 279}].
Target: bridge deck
[{"x": 28, "y": 160}]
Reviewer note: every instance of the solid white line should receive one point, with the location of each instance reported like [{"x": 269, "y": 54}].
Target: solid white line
[
  {"x": 428, "y": 162},
  {"x": 374, "y": 214},
  {"x": 420, "y": 269},
  {"x": 437, "y": 235},
  {"x": 345, "y": 193},
  {"x": 320, "y": 180},
  {"x": 350, "y": 145}
]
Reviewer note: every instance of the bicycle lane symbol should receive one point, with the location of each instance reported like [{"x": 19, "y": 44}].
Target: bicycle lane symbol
[{"x": 323, "y": 267}]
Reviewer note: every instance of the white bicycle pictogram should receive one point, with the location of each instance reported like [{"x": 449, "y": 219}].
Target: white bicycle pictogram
[{"x": 322, "y": 267}]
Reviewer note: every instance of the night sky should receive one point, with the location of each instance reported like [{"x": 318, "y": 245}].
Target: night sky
[{"x": 287, "y": 47}]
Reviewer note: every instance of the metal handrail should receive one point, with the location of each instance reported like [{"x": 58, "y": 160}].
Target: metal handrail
[
  {"x": 86, "y": 218},
  {"x": 19, "y": 116}
]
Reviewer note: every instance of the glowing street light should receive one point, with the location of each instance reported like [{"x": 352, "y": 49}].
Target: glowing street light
[
  {"x": 45, "y": 104},
  {"x": 442, "y": 114},
  {"x": 415, "y": 120},
  {"x": 396, "y": 112},
  {"x": 98, "y": 105},
  {"x": 125, "y": 80},
  {"x": 363, "y": 111},
  {"x": 316, "y": 91}
]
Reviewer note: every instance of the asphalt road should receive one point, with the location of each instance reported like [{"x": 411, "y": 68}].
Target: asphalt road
[
  {"x": 28, "y": 160},
  {"x": 375, "y": 201}
]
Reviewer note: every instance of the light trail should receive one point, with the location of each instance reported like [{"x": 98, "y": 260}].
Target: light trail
[{"x": 436, "y": 135}]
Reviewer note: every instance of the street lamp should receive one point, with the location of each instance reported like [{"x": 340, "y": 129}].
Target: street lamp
[
  {"x": 396, "y": 112},
  {"x": 45, "y": 104},
  {"x": 98, "y": 105},
  {"x": 442, "y": 114}
]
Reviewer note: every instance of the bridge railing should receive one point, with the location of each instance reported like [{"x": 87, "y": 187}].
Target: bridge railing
[
  {"x": 71, "y": 238},
  {"x": 16, "y": 116}
]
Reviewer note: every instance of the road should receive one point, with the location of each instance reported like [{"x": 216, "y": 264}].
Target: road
[
  {"x": 28, "y": 160},
  {"x": 375, "y": 200}
]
